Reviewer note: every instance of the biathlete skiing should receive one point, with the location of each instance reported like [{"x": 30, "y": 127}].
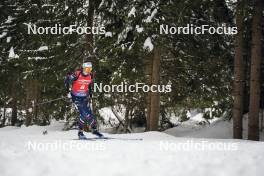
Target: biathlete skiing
[{"x": 80, "y": 84}]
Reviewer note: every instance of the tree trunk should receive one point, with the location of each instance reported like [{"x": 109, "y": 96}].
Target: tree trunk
[
  {"x": 14, "y": 112},
  {"x": 90, "y": 41},
  {"x": 28, "y": 104},
  {"x": 32, "y": 95},
  {"x": 36, "y": 95},
  {"x": 253, "y": 121},
  {"x": 239, "y": 67},
  {"x": 149, "y": 66},
  {"x": 4, "y": 117},
  {"x": 127, "y": 118},
  {"x": 261, "y": 121},
  {"x": 90, "y": 23},
  {"x": 153, "y": 99},
  {"x": 14, "y": 103}
]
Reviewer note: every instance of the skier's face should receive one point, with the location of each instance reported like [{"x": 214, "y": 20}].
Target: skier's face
[{"x": 87, "y": 70}]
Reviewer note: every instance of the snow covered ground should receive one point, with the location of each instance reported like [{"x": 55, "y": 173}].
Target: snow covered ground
[{"x": 26, "y": 151}]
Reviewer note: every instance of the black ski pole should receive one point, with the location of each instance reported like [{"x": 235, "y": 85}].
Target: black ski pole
[{"x": 45, "y": 102}]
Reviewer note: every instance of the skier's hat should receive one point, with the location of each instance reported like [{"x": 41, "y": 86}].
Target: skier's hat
[{"x": 87, "y": 64}]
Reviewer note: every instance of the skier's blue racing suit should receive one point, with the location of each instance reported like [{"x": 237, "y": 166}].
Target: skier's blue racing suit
[{"x": 81, "y": 93}]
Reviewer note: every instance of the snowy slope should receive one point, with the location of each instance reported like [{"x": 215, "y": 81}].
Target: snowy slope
[
  {"x": 157, "y": 154},
  {"x": 219, "y": 129}
]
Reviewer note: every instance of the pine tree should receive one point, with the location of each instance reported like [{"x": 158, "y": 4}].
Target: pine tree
[{"x": 187, "y": 53}]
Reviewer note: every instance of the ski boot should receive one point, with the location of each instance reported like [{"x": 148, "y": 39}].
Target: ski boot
[
  {"x": 81, "y": 135},
  {"x": 97, "y": 133}
]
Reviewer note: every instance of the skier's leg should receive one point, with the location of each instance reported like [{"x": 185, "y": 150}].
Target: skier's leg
[
  {"x": 91, "y": 120},
  {"x": 79, "y": 104},
  {"x": 90, "y": 117},
  {"x": 81, "y": 123}
]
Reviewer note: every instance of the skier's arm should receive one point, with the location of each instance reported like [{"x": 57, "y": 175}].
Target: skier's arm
[{"x": 70, "y": 77}]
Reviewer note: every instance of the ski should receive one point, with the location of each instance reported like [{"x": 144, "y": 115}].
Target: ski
[
  {"x": 110, "y": 138},
  {"x": 125, "y": 139}
]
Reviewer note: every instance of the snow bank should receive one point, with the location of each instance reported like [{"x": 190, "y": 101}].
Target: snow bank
[
  {"x": 26, "y": 151},
  {"x": 219, "y": 129},
  {"x": 107, "y": 114}
]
